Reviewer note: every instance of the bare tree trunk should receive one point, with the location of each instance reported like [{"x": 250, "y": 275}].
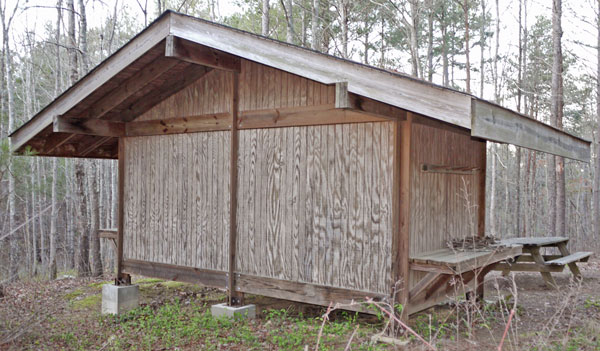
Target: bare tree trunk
[
  {"x": 444, "y": 33},
  {"x": 496, "y": 87},
  {"x": 95, "y": 225},
  {"x": 558, "y": 175},
  {"x": 482, "y": 47},
  {"x": 366, "y": 47},
  {"x": 73, "y": 76},
  {"x": 467, "y": 46},
  {"x": 83, "y": 263},
  {"x": 265, "y": 18},
  {"x": 344, "y": 11},
  {"x": 430, "y": 13},
  {"x": 53, "y": 216},
  {"x": 85, "y": 60},
  {"x": 288, "y": 10},
  {"x": 12, "y": 211},
  {"x": 413, "y": 28},
  {"x": 596, "y": 190},
  {"x": 315, "y": 22},
  {"x": 304, "y": 26}
]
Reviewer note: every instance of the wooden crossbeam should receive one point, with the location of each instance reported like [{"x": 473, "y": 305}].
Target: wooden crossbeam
[
  {"x": 201, "y": 55},
  {"x": 94, "y": 126},
  {"x": 346, "y": 100},
  {"x": 271, "y": 118}
]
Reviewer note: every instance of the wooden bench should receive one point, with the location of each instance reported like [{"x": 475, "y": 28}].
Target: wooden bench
[
  {"x": 581, "y": 256},
  {"x": 533, "y": 261}
]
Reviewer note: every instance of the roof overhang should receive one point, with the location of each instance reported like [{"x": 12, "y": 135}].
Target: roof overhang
[{"x": 485, "y": 120}]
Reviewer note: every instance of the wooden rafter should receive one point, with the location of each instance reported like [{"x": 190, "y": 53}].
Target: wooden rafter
[{"x": 201, "y": 55}]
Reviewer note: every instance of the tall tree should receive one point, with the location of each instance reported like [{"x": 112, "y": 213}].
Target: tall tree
[
  {"x": 466, "y": 13},
  {"x": 288, "y": 11},
  {"x": 265, "y": 18},
  {"x": 596, "y": 190},
  {"x": 7, "y": 19},
  {"x": 557, "y": 116},
  {"x": 316, "y": 25},
  {"x": 482, "y": 35}
]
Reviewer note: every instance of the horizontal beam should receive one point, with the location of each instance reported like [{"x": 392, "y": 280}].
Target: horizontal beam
[
  {"x": 304, "y": 292},
  {"x": 191, "y": 124},
  {"x": 94, "y": 126},
  {"x": 304, "y": 116},
  {"x": 277, "y": 288},
  {"x": 272, "y": 118},
  {"x": 201, "y": 55},
  {"x": 210, "y": 278},
  {"x": 492, "y": 122}
]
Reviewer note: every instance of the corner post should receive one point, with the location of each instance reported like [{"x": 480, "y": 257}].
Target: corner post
[
  {"x": 479, "y": 289},
  {"x": 121, "y": 278},
  {"x": 481, "y": 191},
  {"x": 233, "y": 297},
  {"x": 401, "y": 190}
]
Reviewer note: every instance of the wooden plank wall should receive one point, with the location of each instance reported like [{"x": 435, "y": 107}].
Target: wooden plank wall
[
  {"x": 261, "y": 87},
  {"x": 177, "y": 199},
  {"x": 443, "y": 206},
  {"x": 315, "y": 204}
]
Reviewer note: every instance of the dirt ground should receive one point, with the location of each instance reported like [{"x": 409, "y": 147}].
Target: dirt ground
[{"x": 65, "y": 314}]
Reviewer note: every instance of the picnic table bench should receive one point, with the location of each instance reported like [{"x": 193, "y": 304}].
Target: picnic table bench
[
  {"x": 445, "y": 267},
  {"x": 532, "y": 260}
]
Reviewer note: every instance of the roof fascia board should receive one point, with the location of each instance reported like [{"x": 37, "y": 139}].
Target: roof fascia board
[
  {"x": 495, "y": 123},
  {"x": 403, "y": 92},
  {"x": 115, "y": 63}
]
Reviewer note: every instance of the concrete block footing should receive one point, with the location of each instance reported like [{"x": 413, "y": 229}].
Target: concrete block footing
[
  {"x": 118, "y": 299},
  {"x": 220, "y": 310}
]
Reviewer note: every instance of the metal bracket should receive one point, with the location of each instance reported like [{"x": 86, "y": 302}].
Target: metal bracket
[{"x": 123, "y": 279}]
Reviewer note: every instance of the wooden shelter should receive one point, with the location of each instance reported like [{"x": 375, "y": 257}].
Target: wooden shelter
[{"x": 271, "y": 169}]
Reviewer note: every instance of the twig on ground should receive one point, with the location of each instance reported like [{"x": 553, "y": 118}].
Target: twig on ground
[{"x": 512, "y": 313}]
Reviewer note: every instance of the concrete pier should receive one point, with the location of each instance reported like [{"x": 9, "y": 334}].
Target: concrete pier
[
  {"x": 220, "y": 310},
  {"x": 117, "y": 299}
]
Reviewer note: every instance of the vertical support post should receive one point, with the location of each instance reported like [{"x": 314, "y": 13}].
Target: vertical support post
[
  {"x": 401, "y": 191},
  {"x": 479, "y": 290},
  {"x": 233, "y": 297},
  {"x": 481, "y": 192},
  {"x": 120, "y": 208}
]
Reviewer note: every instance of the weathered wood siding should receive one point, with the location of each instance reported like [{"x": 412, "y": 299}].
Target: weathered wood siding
[
  {"x": 443, "y": 205},
  {"x": 315, "y": 204},
  {"x": 261, "y": 88},
  {"x": 177, "y": 199}
]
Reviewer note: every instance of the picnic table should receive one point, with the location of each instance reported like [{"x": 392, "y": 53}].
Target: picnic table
[
  {"x": 532, "y": 259},
  {"x": 442, "y": 265}
]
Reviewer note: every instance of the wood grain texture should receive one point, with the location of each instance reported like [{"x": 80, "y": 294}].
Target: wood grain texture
[
  {"x": 443, "y": 205},
  {"x": 176, "y": 201},
  {"x": 262, "y": 88},
  {"x": 300, "y": 205}
]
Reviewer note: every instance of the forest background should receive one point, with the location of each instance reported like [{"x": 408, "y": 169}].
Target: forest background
[{"x": 512, "y": 52}]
